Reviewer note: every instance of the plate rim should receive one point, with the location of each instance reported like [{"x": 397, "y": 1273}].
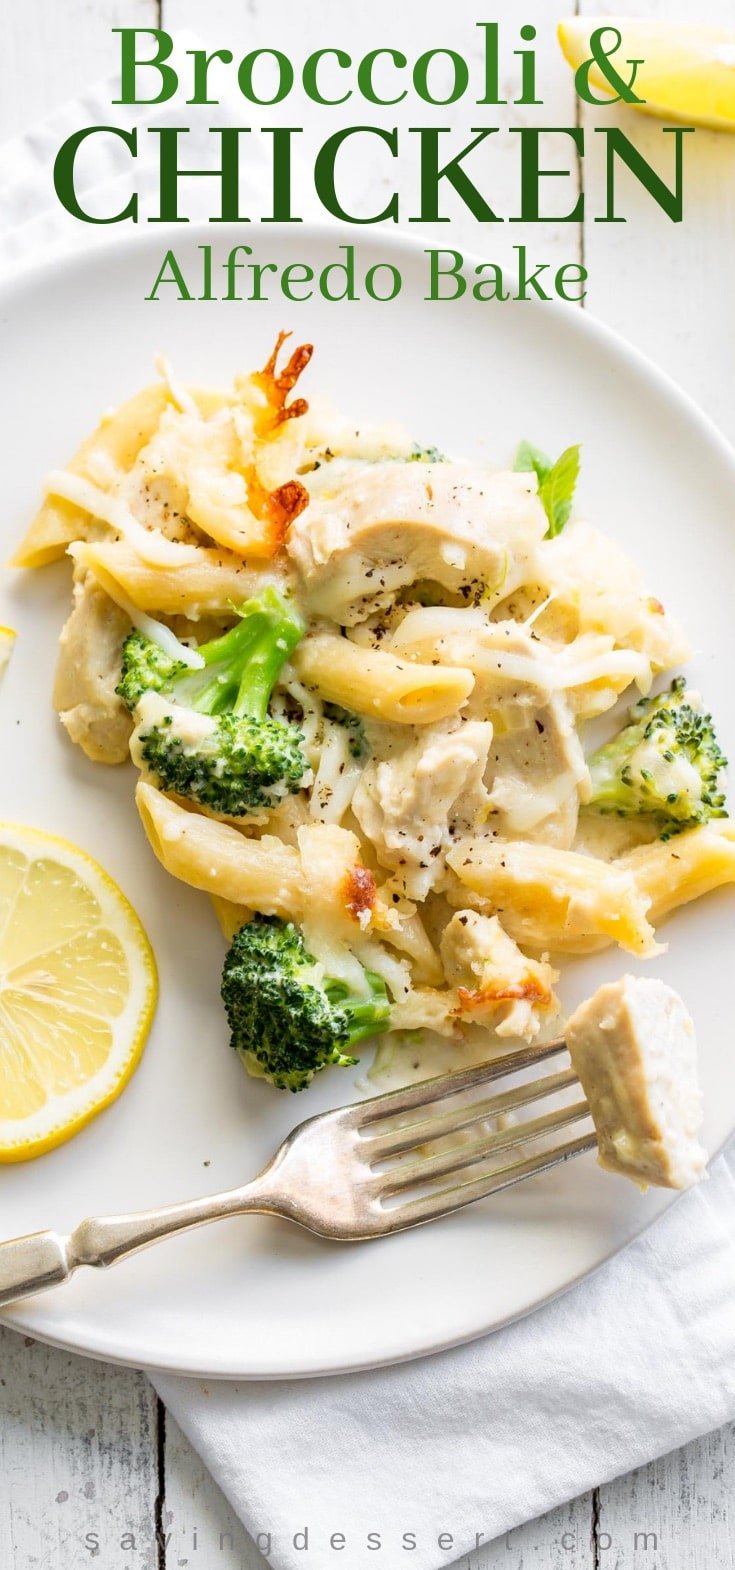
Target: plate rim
[{"x": 21, "y": 278}]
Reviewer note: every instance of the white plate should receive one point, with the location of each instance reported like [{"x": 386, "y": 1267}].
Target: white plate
[{"x": 257, "y": 1298}]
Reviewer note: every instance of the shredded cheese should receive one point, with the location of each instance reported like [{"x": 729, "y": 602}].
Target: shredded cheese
[
  {"x": 150, "y": 544},
  {"x": 177, "y": 390}
]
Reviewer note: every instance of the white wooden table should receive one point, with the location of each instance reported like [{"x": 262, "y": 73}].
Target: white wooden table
[{"x": 91, "y": 1467}]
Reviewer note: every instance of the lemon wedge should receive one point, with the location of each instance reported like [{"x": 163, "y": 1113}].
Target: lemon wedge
[
  {"x": 7, "y": 639},
  {"x": 688, "y": 70},
  {"x": 78, "y": 989}
]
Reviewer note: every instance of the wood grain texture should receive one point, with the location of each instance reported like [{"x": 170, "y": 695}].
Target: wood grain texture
[
  {"x": 677, "y": 1513},
  {"x": 78, "y": 1461},
  {"x": 562, "y": 1537},
  {"x": 200, "y": 1526},
  {"x": 83, "y": 1452}
]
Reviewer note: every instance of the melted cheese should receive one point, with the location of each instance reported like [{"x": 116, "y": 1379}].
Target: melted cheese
[{"x": 150, "y": 544}]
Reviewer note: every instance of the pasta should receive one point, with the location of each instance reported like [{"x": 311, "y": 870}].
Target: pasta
[
  {"x": 354, "y": 676},
  {"x": 683, "y": 869},
  {"x": 197, "y": 580},
  {"x": 261, "y": 873},
  {"x": 231, "y": 917},
  {"x": 377, "y": 684},
  {"x": 103, "y": 460},
  {"x": 555, "y": 899}
]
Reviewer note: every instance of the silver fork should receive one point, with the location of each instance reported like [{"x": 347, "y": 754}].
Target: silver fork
[{"x": 333, "y": 1175}]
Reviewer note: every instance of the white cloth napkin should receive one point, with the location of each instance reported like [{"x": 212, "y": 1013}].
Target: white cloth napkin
[{"x": 464, "y": 1446}]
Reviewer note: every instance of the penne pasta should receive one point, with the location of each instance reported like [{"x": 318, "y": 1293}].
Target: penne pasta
[
  {"x": 378, "y": 684},
  {"x": 200, "y": 581},
  {"x": 555, "y": 899},
  {"x": 110, "y": 451},
  {"x": 322, "y": 883},
  {"x": 263, "y": 874},
  {"x": 672, "y": 872}
]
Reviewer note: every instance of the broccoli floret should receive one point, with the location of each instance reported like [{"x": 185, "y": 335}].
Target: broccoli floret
[
  {"x": 289, "y": 1021},
  {"x": 208, "y": 735},
  {"x": 145, "y": 668},
  {"x": 665, "y": 764}
]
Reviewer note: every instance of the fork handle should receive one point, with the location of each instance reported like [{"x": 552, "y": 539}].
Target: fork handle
[{"x": 44, "y": 1259}]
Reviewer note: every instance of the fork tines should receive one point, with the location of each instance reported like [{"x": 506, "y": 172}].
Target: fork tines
[{"x": 388, "y": 1135}]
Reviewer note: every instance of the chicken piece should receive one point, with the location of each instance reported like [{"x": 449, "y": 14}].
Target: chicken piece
[
  {"x": 395, "y": 524},
  {"x": 409, "y": 805},
  {"x": 87, "y": 672},
  {"x": 552, "y": 899},
  {"x": 633, "y": 1048},
  {"x": 536, "y": 772},
  {"x": 427, "y": 1008},
  {"x": 496, "y": 983},
  {"x": 399, "y": 924}
]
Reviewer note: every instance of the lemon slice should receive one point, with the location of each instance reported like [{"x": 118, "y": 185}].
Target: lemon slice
[
  {"x": 688, "y": 70},
  {"x": 7, "y": 639},
  {"x": 78, "y": 988}
]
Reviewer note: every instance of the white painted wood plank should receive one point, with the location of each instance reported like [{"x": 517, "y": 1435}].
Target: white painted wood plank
[
  {"x": 678, "y": 1513},
  {"x": 200, "y": 1527},
  {"x": 78, "y": 1450},
  {"x": 668, "y": 287},
  {"x": 51, "y": 51},
  {"x": 77, "y": 1461}
]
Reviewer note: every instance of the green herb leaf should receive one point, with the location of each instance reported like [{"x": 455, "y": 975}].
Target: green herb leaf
[
  {"x": 556, "y": 482},
  {"x": 531, "y": 460},
  {"x": 557, "y": 491}
]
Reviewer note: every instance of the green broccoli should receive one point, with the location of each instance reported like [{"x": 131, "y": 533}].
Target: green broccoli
[
  {"x": 208, "y": 735},
  {"x": 353, "y": 726},
  {"x": 665, "y": 764},
  {"x": 146, "y": 668},
  {"x": 288, "y": 1021}
]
